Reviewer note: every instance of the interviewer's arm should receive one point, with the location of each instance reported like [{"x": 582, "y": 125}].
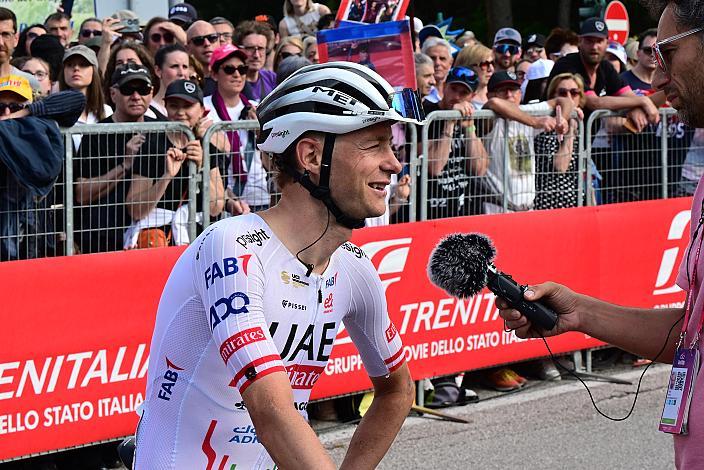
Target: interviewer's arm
[
  {"x": 284, "y": 433},
  {"x": 638, "y": 330},
  {"x": 393, "y": 397}
]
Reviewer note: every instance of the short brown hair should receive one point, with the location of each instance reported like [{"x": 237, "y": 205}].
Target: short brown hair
[
  {"x": 246, "y": 28},
  {"x": 7, "y": 14}
]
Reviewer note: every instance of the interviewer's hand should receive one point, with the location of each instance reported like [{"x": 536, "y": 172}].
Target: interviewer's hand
[{"x": 561, "y": 299}]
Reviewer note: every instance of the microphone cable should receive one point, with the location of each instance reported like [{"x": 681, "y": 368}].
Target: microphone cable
[
  {"x": 664, "y": 346},
  {"x": 574, "y": 374}
]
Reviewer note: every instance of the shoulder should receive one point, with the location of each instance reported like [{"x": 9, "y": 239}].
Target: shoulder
[
  {"x": 244, "y": 234},
  {"x": 354, "y": 257},
  {"x": 568, "y": 62},
  {"x": 268, "y": 75},
  {"x": 322, "y": 9}
]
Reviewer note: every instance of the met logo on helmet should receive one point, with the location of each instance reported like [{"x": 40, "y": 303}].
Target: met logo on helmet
[{"x": 336, "y": 96}]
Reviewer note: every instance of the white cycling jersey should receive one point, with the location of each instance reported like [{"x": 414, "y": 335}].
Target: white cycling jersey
[{"x": 237, "y": 307}]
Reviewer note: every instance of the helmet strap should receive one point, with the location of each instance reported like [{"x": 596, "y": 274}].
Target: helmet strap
[{"x": 321, "y": 191}]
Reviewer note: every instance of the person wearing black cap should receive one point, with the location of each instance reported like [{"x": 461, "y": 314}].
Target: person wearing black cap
[
  {"x": 604, "y": 88},
  {"x": 104, "y": 165},
  {"x": 455, "y": 155},
  {"x": 161, "y": 182},
  {"x": 534, "y": 47},
  {"x": 183, "y": 14}
]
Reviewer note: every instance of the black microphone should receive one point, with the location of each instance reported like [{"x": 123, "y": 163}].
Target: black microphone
[{"x": 462, "y": 265}]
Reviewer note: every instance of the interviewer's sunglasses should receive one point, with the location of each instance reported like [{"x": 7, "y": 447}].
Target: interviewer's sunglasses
[{"x": 659, "y": 58}]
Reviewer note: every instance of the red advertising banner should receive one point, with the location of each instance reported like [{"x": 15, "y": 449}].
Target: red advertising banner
[{"x": 77, "y": 329}]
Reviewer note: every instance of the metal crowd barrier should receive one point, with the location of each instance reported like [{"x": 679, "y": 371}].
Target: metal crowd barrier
[
  {"x": 497, "y": 168},
  {"x": 86, "y": 210},
  {"x": 661, "y": 161}
]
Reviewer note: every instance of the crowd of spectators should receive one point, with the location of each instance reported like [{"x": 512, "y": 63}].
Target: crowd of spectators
[
  {"x": 131, "y": 189},
  {"x": 517, "y": 162}
]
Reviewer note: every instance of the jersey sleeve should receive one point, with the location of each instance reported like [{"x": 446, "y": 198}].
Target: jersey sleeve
[
  {"x": 230, "y": 281},
  {"x": 368, "y": 322}
]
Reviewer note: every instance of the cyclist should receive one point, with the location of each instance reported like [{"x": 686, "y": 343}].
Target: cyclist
[{"x": 249, "y": 314}]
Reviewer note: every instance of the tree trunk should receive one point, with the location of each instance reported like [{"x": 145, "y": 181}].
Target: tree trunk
[
  {"x": 499, "y": 15},
  {"x": 563, "y": 13}
]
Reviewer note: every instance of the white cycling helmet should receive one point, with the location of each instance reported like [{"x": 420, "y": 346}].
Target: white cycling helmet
[
  {"x": 332, "y": 98},
  {"x": 335, "y": 98}
]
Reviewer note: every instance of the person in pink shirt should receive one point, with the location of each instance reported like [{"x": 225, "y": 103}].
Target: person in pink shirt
[{"x": 680, "y": 77}]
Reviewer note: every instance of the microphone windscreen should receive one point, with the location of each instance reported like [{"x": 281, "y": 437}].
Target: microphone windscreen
[{"x": 459, "y": 264}]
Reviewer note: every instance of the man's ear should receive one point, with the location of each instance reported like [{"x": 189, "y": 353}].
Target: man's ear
[{"x": 309, "y": 151}]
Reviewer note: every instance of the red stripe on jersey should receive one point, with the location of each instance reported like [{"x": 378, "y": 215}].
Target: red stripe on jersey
[
  {"x": 239, "y": 340},
  {"x": 254, "y": 363},
  {"x": 207, "y": 448},
  {"x": 259, "y": 375},
  {"x": 393, "y": 368},
  {"x": 393, "y": 358}
]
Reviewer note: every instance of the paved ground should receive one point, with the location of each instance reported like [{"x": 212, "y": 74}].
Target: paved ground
[{"x": 548, "y": 426}]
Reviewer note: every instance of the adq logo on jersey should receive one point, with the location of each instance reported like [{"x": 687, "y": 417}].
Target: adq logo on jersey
[
  {"x": 235, "y": 304},
  {"x": 389, "y": 258}
]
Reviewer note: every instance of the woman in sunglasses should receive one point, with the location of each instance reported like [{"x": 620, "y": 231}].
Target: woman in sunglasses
[
  {"x": 288, "y": 47},
  {"x": 160, "y": 32},
  {"x": 556, "y": 161},
  {"x": 171, "y": 63},
  {"x": 480, "y": 59},
  {"x": 25, "y": 40},
  {"x": 246, "y": 178}
]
